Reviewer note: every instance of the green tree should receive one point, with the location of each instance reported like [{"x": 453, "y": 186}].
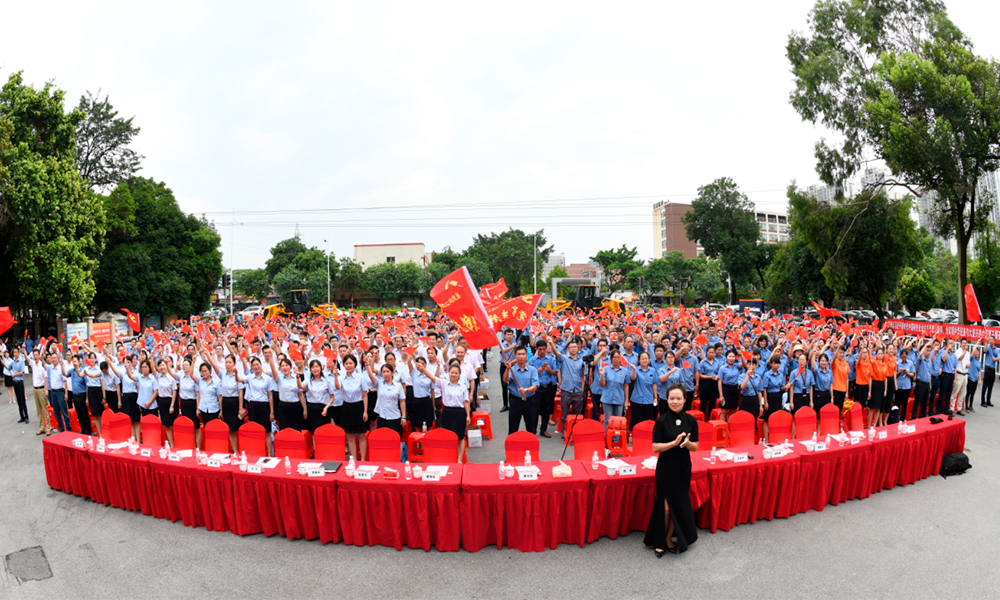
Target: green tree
[
  {"x": 985, "y": 271},
  {"x": 796, "y": 271},
  {"x": 557, "y": 272},
  {"x": 864, "y": 244},
  {"x": 722, "y": 220},
  {"x": 283, "y": 254},
  {"x": 286, "y": 280},
  {"x": 103, "y": 156},
  {"x": 172, "y": 266},
  {"x": 513, "y": 254},
  {"x": 617, "y": 265},
  {"x": 51, "y": 225},
  {"x": 915, "y": 291},
  {"x": 409, "y": 278},
  {"x": 350, "y": 276},
  {"x": 898, "y": 81},
  {"x": 251, "y": 283}
]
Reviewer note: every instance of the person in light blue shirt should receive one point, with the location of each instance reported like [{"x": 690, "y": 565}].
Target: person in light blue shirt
[
  {"x": 643, "y": 396},
  {"x": 708, "y": 381},
  {"x": 990, "y": 360},
  {"x": 729, "y": 381},
  {"x": 773, "y": 385},
  {"x": 572, "y": 380},
  {"x": 924, "y": 376},
  {"x": 751, "y": 397},
  {"x": 946, "y": 384},
  {"x": 522, "y": 382},
  {"x": 596, "y": 389},
  {"x": 615, "y": 379},
  {"x": 975, "y": 368},
  {"x": 686, "y": 363},
  {"x": 209, "y": 395},
  {"x": 547, "y": 365},
  {"x": 421, "y": 410},
  {"x": 905, "y": 373},
  {"x": 668, "y": 375},
  {"x": 822, "y": 381},
  {"x": 800, "y": 383}
]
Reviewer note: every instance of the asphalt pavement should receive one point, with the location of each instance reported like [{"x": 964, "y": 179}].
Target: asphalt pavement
[{"x": 936, "y": 538}]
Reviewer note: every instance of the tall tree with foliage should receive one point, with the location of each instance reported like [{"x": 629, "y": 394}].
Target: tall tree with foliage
[
  {"x": 723, "y": 221},
  {"x": 795, "y": 271},
  {"x": 864, "y": 244},
  {"x": 617, "y": 264},
  {"x": 103, "y": 155},
  {"x": 899, "y": 82},
  {"x": 915, "y": 291},
  {"x": 163, "y": 261},
  {"x": 51, "y": 225},
  {"x": 251, "y": 283},
  {"x": 511, "y": 254},
  {"x": 283, "y": 254}
]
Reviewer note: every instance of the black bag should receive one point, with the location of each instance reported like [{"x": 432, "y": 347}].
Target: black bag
[{"x": 954, "y": 464}]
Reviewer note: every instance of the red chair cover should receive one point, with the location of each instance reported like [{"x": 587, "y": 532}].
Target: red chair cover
[
  {"x": 779, "y": 427},
  {"x": 805, "y": 423},
  {"x": 642, "y": 438},
  {"x": 517, "y": 444},
  {"x": 290, "y": 443},
  {"x": 106, "y": 421},
  {"x": 250, "y": 439},
  {"x": 588, "y": 437},
  {"x": 829, "y": 419},
  {"x": 216, "y": 437},
  {"x": 330, "y": 440},
  {"x": 152, "y": 430},
  {"x": 440, "y": 446},
  {"x": 184, "y": 433},
  {"x": 120, "y": 429},
  {"x": 741, "y": 429},
  {"x": 383, "y": 445}
]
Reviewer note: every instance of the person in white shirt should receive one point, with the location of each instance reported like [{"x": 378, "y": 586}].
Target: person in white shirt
[
  {"x": 961, "y": 377},
  {"x": 55, "y": 387},
  {"x": 39, "y": 375}
]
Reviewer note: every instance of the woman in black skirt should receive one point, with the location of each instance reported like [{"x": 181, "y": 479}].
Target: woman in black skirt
[
  {"x": 318, "y": 389},
  {"x": 729, "y": 382},
  {"x": 354, "y": 412},
  {"x": 231, "y": 385},
  {"x": 421, "y": 409},
  {"x": 675, "y": 436},
  {"x": 456, "y": 399}
]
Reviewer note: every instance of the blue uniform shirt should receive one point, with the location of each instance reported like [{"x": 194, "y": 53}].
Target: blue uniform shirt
[
  {"x": 903, "y": 381},
  {"x": 544, "y": 378},
  {"x": 950, "y": 362},
  {"x": 801, "y": 381},
  {"x": 615, "y": 381},
  {"x": 753, "y": 384},
  {"x": 822, "y": 380},
  {"x": 729, "y": 375},
  {"x": 773, "y": 382},
  {"x": 974, "y": 368},
  {"x": 645, "y": 379},
  {"x": 925, "y": 369},
  {"x": 522, "y": 378},
  {"x": 992, "y": 356}
]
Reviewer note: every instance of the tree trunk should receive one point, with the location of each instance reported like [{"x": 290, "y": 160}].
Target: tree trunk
[{"x": 732, "y": 291}]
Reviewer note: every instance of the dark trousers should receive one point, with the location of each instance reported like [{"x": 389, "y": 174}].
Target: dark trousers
[
  {"x": 989, "y": 376},
  {"x": 595, "y": 411},
  {"x": 82, "y": 413},
  {"x": 688, "y": 400},
  {"x": 522, "y": 409},
  {"x": 545, "y": 395},
  {"x": 22, "y": 404},
  {"x": 921, "y": 392},
  {"x": 57, "y": 398},
  {"x": 932, "y": 397},
  {"x": 838, "y": 399},
  {"x": 504, "y": 393},
  {"x": 944, "y": 392},
  {"x": 902, "y": 400},
  {"x": 970, "y": 394}
]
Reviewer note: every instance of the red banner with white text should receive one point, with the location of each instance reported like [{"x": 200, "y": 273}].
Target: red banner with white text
[{"x": 925, "y": 328}]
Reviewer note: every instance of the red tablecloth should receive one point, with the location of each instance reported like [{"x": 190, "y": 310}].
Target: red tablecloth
[
  {"x": 898, "y": 459},
  {"x": 834, "y": 475},
  {"x": 67, "y": 468},
  {"x": 294, "y": 506},
  {"x": 527, "y": 515},
  {"x": 622, "y": 504},
  {"x": 946, "y": 437},
  {"x": 744, "y": 492},
  {"x": 198, "y": 495},
  {"x": 121, "y": 480},
  {"x": 401, "y": 512}
]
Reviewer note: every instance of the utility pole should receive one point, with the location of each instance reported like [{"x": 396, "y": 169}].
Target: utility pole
[
  {"x": 232, "y": 240},
  {"x": 534, "y": 262},
  {"x": 327, "y": 271}
]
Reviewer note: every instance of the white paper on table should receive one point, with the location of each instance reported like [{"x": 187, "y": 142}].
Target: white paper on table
[
  {"x": 117, "y": 446},
  {"x": 185, "y": 453},
  {"x": 372, "y": 468},
  {"x": 220, "y": 456},
  {"x": 614, "y": 462},
  {"x": 441, "y": 470},
  {"x": 808, "y": 444},
  {"x": 310, "y": 465},
  {"x": 649, "y": 463},
  {"x": 859, "y": 434},
  {"x": 532, "y": 468},
  {"x": 840, "y": 437},
  {"x": 267, "y": 462}
]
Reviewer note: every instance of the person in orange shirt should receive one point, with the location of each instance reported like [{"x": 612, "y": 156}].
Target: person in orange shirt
[
  {"x": 840, "y": 372},
  {"x": 862, "y": 376},
  {"x": 876, "y": 388}
]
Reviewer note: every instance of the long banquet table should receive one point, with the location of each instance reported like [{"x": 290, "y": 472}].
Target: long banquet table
[{"x": 471, "y": 507}]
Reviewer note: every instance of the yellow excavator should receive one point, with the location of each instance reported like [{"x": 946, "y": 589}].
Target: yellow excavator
[
  {"x": 299, "y": 304},
  {"x": 586, "y": 298}
]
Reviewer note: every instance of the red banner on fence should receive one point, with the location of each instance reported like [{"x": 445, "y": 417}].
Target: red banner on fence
[{"x": 925, "y": 328}]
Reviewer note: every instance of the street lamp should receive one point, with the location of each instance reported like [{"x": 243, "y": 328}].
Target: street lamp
[{"x": 327, "y": 271}]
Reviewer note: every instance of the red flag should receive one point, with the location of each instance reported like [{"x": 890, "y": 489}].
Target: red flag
[
  {"x": 456, "y": 296},
  {"x": 493, "y": 292},
  {"x": 971, "y": 304},
  {"x": 701, "y": 340},
  {"x": 133, "y": 320},
  {"x": 825, "y": 312},
  {"x": 294, "y": 353},
  {"x": 515, "y": 313},
  {"x": 6, "y": 319},
  {"x": 329, "y": 353}
]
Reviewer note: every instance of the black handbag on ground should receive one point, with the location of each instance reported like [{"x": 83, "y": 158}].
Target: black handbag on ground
[{"x": 954, "y": 464}]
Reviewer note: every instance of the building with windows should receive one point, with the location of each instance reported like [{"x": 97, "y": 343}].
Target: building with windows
[
  {"x": 582, "y": 270},
  {"x": 669, "y": 233},
  {"x": 773, "y": 227},
  {"x": 555, "y": 260},
  {"x": 368, "y": 255},
  {"x": 828, "y": 193}
]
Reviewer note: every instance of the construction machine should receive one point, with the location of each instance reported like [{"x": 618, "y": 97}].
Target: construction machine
[
  {"x": 585, "y": 297},
  {"x": 298, "y": 304}
]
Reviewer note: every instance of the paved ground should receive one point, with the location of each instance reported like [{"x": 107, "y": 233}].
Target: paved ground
[{"x": 933, "y": 539}]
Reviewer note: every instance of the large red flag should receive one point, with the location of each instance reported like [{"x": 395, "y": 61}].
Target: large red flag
[
  {"x": 133, "y": 320},
  {"x": 493, "y": 292},
  {"x": 972, "y": 304},
  {"x": 515, "y": 313},
  {"x": 6, "y": 319},
  {"x": 456, "y": 296}
]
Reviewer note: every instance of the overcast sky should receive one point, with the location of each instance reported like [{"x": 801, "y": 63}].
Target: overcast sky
[{"x": 472, "y": 114}]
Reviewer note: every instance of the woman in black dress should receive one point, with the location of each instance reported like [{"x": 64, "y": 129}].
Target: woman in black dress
[{"x": 675, "y": 437}]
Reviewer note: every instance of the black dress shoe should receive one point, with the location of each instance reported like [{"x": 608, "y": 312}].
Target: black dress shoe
[
  {"x": 504, "y": 409},
  {"x": 674, "y": 549},
  {"x": 660, "y": 553}
]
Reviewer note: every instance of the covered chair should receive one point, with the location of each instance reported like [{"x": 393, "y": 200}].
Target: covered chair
[
  {"x": 215, "y": 437},
  {"x": 779, "y": 427},
  {"x": 805, "y": 423},
  {"x": 440, "y": 446},
  {"x": 855, "y": 418},
  {"x": 330, "y": 440},
  {"x": 184, "y": 433},
  {"x": 120, "y": 429},
  {"x": 250, "y": 439},
  {"x": 741, "y": 429},
  {"x": 152, "y": 430},
  {"x": 384, "y": 445},
  {"x": 642, "y": 438},
  {"x": 829, "y": 420},
  {"x": 517, "y": 444},
  {"x": 588, "y": 437},
  {"x": 105, "y": 422},
  {"x": 289, "y": 442}
]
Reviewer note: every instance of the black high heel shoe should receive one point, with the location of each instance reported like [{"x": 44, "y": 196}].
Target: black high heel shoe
[
  {"x": 672, "y": 550},
  {"x": 659, "y": 553}
]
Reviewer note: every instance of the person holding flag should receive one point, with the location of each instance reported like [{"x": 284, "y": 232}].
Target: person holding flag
[{"x": 523, "y": 404}]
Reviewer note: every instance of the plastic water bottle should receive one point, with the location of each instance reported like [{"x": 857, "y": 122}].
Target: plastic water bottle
[
  {"x": 871, "y": 434},
  {"x": 350, "y": 467},
  {"x": 502, "y": 471},
  {"x": 594, "y": 461},
  {"x": 243, "y": 461},
  {"x": 90, "y": 444},
  {"x": 527, "y": 458},
  {"x": 166, "y": 446},
  {"x": 814, "y": 438},
  {"x": 425, "y": 427},
  {"x": 408, "y": 470},
  {"x": 288, "y": 466}
]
